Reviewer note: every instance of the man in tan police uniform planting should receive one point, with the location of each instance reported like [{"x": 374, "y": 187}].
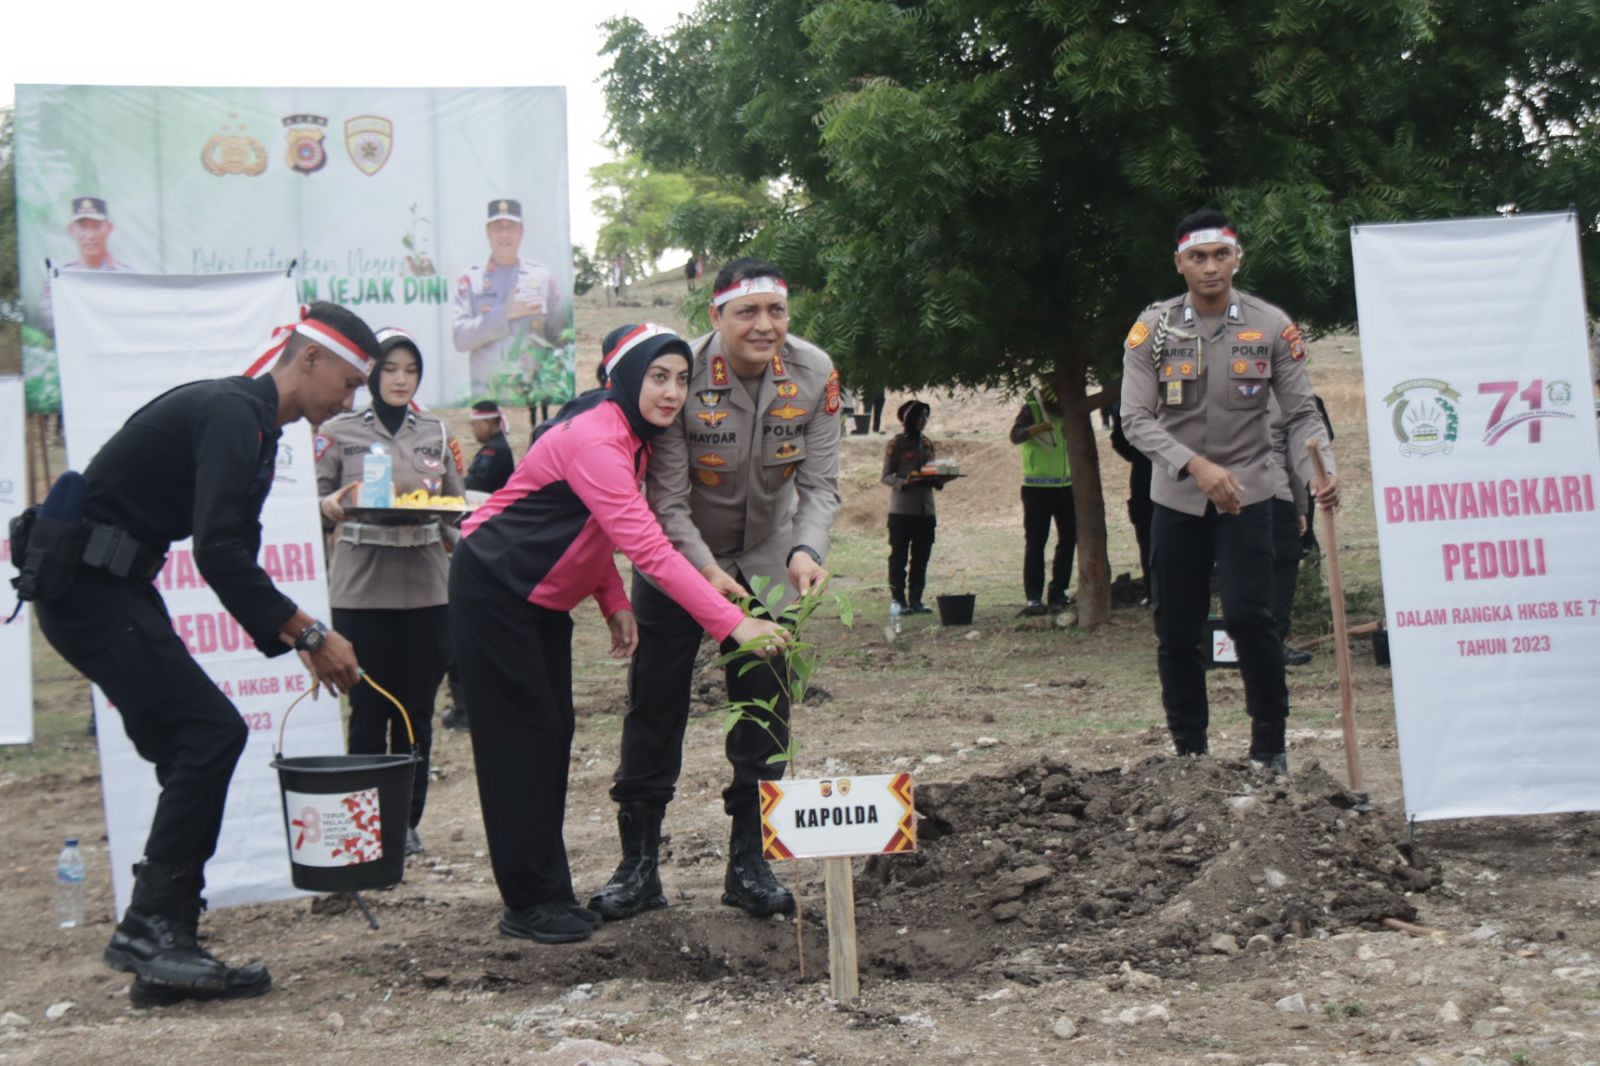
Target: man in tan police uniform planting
[
  {"x": 746, "y": 484},
  {"x": 1197, "y": 371}
]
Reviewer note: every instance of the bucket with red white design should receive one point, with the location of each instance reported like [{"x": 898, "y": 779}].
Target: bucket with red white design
[{"x": 346, "y": 816}]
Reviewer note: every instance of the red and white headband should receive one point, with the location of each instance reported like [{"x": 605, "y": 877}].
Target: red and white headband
[
  {"x": 322, "y": 333},
  {"x": 749, "y": 287},
  {"x": 632, "y": 340},
  {"x": 1220, "y": 235}
]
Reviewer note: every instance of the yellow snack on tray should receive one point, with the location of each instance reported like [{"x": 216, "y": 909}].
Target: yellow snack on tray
[{"x": 420, "y": 498}]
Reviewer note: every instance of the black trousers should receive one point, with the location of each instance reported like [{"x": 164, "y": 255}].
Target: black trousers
[
  {"x": 515, "y": 662},
  {"x": 659, "y": 680},
  {"x": 1183, "y": 550},
  {"x": 910, "y": 535},
  {"x": 117, "y": 634},
  {"x": 1286, "y": 552},
  {"x": 1140, "y": 510},
  {"x": 1041, "y": 507},
  {"x": 406, "y": 652}
]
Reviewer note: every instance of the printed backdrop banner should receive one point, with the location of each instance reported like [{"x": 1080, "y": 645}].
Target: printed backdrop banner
[
  {"x": 126, "y": 338},
  {"x": 381, "y": 196},
  {"x": 1485, "y": 469},
  {"x": 16, "y": 663}
]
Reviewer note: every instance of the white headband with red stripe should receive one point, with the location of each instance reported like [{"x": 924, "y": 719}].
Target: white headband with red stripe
[
  {"x": 632, "y": 340},
  {"x": 749, "y": 287},
  {"x": 321, "y": 332},
  {"x": 1220, "y": 235}
]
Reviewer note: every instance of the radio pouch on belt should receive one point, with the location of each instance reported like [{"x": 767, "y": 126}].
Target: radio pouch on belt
[{"x": 47, "y": 541}]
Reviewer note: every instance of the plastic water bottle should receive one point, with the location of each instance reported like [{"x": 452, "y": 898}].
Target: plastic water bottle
[
  {"x": 377, "y": 479},
  {"x": 894, "y": 616},
  {"x": 70, "y": 875}
]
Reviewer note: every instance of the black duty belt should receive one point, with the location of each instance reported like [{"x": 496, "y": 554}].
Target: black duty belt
[{"x": 120, "y": 554}]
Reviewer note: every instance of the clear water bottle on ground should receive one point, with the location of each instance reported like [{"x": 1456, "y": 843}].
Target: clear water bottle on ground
[
  {"x": 70, "y": 875},
  {"x": 894, "y": 616}
]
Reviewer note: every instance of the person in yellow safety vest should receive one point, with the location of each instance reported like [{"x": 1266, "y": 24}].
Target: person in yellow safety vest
[{"x": 1046, "y": 498}]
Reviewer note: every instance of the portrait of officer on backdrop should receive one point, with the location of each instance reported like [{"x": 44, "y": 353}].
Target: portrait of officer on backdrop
[
  {"x": 90, "y": 229},
  {"x": 510, "y": 317}
]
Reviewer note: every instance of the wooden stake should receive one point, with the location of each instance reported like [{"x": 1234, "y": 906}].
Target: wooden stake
[
  {"x": 1341, "y": 631},
  {"x": 839, "y": 885}
]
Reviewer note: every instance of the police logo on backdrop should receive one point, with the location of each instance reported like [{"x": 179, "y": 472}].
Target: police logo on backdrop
[
  {"x": 231, "y": 150},
  {"x": 304, "y": 139},
  {"x": 369, "y": 139},
  {"x": 1423, "y": 414}
]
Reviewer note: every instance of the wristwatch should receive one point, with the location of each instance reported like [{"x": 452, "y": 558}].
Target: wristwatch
[{"x": 311, "y": 638}]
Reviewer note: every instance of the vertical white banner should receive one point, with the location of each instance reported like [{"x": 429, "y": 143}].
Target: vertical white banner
[
  {"x": 1485, "y": 470},
  {"x": 125, "y": 339},
  {"x": 16, "y": 662}
]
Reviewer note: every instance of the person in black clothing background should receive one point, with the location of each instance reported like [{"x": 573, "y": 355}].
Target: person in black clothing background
[
  {"x": 912, "y": 522},
  {"x": 491, "y": 467},
  {"x": 1139, "y": 507},
  {"x": 197, "y": 460}
]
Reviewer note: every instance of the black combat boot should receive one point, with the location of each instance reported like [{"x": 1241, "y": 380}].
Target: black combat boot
[
  {"x": 749, "y": 884},
  {"x": 156, "y": 941},
  {"x": 635, "y": 887},
  {"x": 1267, "y": 744}
]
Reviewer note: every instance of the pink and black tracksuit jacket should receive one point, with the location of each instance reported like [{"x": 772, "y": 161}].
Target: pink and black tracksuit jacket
[{"x": 575, "y": 498}]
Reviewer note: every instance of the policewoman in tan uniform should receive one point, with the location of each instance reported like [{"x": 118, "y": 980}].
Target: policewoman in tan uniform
[
  {"x": 746, "y": 484},
  {"x": 388, "y": 576},
  {"x": 1197, "y": 372}
]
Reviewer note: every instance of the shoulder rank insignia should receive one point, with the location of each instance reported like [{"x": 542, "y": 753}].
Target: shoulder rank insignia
[
  {"x": 788, "y": 412},
  {"x": 788, "y": 389},
  {"x": 778, "y": 369},
  {"x": 711, "y": 418},
  {"x": 719, "y": 371}
]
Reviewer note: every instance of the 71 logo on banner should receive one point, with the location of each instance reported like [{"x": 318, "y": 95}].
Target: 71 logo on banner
[{"x": 1501, "y": 423}]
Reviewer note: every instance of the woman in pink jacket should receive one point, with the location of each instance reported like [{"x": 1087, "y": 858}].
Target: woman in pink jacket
[{"x": 527, "y": 557}]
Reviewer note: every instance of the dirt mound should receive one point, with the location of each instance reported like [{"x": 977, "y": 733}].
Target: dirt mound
[{"x": 1047, "y": 869}]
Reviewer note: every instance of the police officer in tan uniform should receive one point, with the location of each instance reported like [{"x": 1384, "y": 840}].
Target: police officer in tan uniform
[
  {"x": 389, "y": 573},
  {"x": 507, "y": 313},
  {"x": 746, "y": 484},
  {"x": 1197, "y": 373}
]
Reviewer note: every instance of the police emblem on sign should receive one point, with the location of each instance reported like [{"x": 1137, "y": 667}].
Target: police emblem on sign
[
  {"x": 369, "y": 139},
  {"x": 1423, "y": 415},
  {"x": 231, "y": 150},
  {"x": 306, "y": 153}
]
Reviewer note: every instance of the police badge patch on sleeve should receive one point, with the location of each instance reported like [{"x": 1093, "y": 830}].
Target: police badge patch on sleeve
[
  {"x": 1136, "y": 335},
  {"x": 832, "y": 392}
]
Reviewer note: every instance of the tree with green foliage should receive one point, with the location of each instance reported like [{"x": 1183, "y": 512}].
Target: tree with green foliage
[
  {"x": 646, "y": 210},
  {"x": 982, "y": 192}
]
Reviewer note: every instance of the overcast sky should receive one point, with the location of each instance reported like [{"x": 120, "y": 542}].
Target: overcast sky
[{"x": 183, "y": 42}]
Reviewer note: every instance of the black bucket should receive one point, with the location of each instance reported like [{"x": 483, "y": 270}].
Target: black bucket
[
  {"x": 957, "y": 610},
  {"x": 346, "y": 816}
]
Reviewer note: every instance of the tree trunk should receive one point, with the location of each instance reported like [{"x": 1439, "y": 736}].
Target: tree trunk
[{"x": 1088, "y": 497}]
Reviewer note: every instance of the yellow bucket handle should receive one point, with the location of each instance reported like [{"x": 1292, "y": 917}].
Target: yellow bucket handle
[{"x": 411, "y": 734}]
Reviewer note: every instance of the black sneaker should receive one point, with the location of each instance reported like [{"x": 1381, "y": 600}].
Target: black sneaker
[
  {"x": 1278, "y": 763},
  {"x": 1033, "y": 610},
  {"x": 1295, "y": 656},
  {"x": 547, "y": 923},
  {"x": 584, "y": 914},
  {"x": 918, "y": 607}
]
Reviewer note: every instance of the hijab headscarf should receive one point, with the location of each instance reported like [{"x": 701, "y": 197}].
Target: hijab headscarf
[
  {"x": 389, "y": 339},
  {"x": 625, "y": 358},
  {"x": 913, "y": 414}
]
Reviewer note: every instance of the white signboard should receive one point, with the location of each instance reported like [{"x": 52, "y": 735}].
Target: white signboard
[
  {"x": 1485, "y": 469},
  {"x": 16, "y": 664},
  {"x": 124, "y": 339},
  {"x": 833, "y": 817}
]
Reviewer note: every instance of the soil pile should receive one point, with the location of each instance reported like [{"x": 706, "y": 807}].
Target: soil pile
[{"x": 1062, "y": 871}]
